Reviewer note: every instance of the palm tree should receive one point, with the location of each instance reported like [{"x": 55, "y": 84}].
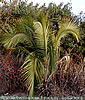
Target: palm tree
[{"x": 37, "y": 35}]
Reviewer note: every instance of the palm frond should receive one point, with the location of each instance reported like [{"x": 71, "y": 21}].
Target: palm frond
[
  {"x": 41, "y": 37},
  {"x": 67, "y": 28},
  {"x": 26, "y": 20},
  {"x": 11, "y": 39},
  {"x": 29, "y": 70},
  {"x": 30, "y": 34},
  {"x": 45, "y": 31},
  {"x": 51, "y": 59}
]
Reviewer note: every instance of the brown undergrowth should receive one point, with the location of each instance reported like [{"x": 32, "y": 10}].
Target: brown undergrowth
[{"x": 67, "y": 80}]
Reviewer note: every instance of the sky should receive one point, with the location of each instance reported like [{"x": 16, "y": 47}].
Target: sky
[{"x": 77, "y": 5}]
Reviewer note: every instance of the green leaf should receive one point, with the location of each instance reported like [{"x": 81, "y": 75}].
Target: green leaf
[{"x": 30, "y": 69}]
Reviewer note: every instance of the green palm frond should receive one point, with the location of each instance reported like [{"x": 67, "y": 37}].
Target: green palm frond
[
  {"x": 4, "y": 29},
  {"x": 30, "y": 69},
  {"x": 28, "y": 73},
  {"x": 51, "y": 59},
  {"x": 44, "y": 29},
  {"x": 30, "y": 34},
  {"x": 26, "y": 20},
  {"x": 41, "y": 38},
  {"x": 45, "y": 32},
  {"x": 67, "y": 28},
  {"x": 11, "y": 40}
]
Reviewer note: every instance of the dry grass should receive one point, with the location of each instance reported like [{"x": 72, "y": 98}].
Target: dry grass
[{"x": 68, "y": 80}]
